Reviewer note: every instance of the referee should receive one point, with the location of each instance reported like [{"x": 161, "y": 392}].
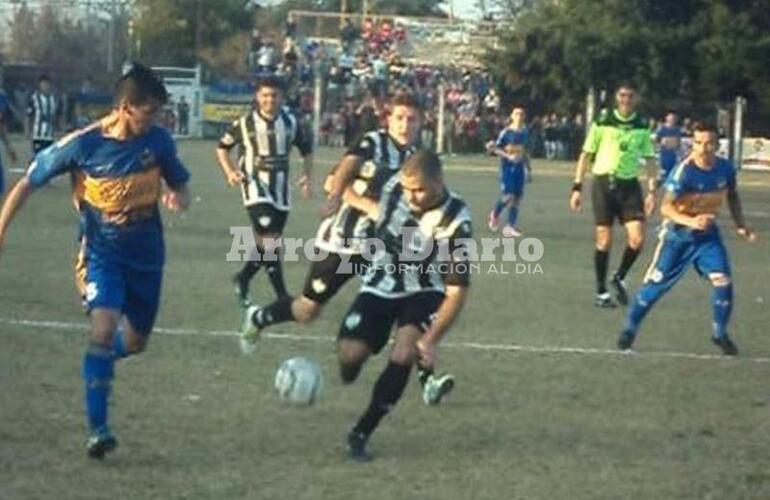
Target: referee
[{"x": 617, "y": 142}]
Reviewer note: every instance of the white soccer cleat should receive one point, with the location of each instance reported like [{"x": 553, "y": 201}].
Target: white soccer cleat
[
  {"x": 249, "y": 331},
  {"x": 511, "y": 232}
]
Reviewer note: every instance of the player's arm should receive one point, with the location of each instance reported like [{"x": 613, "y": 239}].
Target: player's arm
[
  {"x": 736, "y": 211},
  {"x": 305, "y": 146},
  {"x": 176, "y": 176},
  {"x": 652, "y": 184},
  {"x": 669, "y": 210},
  {"x": 229, "y": 139}
]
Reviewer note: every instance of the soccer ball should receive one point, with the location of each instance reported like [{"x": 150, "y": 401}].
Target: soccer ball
[{"x": 299, "y": 381}]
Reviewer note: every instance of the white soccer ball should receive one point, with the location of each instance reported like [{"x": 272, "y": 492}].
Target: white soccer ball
[{"x": 299, "y": 381}]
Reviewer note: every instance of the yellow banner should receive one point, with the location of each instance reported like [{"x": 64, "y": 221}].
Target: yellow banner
[{"x": 224, "y": 113}]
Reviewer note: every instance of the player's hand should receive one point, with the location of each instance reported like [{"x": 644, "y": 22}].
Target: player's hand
[
  {"x": 575, "y": 201},
  {"x": 235, "y": 177},
  {"x": 490, "y": 147},
  {"x": 426, "y": 350},
  {"x": 176, "y": 200},
  {"x": 330, "y": 205},
  {"x": 701, "y": 222},
  {"x": 303, "y": 182},
  {"x": 649, "y": 204},
  {"x": 747, "y": 234}
]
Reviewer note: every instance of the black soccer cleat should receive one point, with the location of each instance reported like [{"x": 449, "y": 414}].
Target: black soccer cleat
[
  {"x": 98, "y": 445},
  {"x": 626, "y": 340},
  {"x": 621, "y": 292},
  {"x": 358, "y": 447},
  {"x": 604, "y": 301},
  {"x": 726, "y": 344}
]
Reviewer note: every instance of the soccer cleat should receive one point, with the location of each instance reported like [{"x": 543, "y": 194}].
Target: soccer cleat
[
  {"x": 436, "y": 387},
  {"x": 726, "y": 344},
  {"x": 358, "y": 446},
  {"x": 100, "y": 443},
  {"x": 621, "y": 292},
  {"x": 604, "y": 300},
  {"x": 511, "y": 232},
  {"x": 241, "y": 290},
  {"x": 249, "y": 331},
  {"x": 494, "y": 223},
  {"x": 626, "y": 340}
]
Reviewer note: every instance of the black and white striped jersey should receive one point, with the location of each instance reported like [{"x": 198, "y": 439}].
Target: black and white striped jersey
[
  {"x": 422, "y": 252},
  {"x": 263, "y": 155},
  {"x": 345, "y": 231},
  {"x": 42, "y": 110}
]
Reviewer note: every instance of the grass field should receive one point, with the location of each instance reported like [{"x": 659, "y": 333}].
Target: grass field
[{"x": 544, "y": 407}]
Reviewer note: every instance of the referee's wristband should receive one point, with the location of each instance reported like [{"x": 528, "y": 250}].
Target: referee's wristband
[{"x": 577, "y": 186}]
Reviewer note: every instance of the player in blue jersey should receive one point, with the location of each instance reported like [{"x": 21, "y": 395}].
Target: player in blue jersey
[
  {"x": 511, "y": 147},
  {"x": 669, "y": 140},
  {"x": 4, "y": 114},
  {"x": 694, "y": 193},
  {"x": 118, "y": 165}
]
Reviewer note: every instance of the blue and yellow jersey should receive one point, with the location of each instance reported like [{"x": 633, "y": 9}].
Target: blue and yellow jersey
[
  {"x": 669, "y": 137},
  {"x": 513, "y": 142},
  {"x": 698, "y": 191},
  {"x": 116, "y": 187}
]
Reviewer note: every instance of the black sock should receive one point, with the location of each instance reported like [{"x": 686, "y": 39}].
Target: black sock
[
  {"x": 601, "y": 263},
  {"x": 386, "y": 393},
  {"x": 277, "y": 312},
  {"x": 424, "y": 374},
  {"x": 274, "y": 269},
  {"x": 349, "y": 373},
  {"x": 629, "y": 257},
  {"x": 249, "y": 270}
]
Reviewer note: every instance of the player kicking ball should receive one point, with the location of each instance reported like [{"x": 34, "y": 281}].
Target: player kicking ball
[
  {"x": 118, "y": 164},
  {"x": 515, "y": 171},
  {"x": 694, "y": 193}
]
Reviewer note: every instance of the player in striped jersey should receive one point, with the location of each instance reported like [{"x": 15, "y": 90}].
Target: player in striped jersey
[
  {"x": 264, "y": 138},
  {"x": 359, "y": 176},
  {"x": 413, "y": 285},
  {"x": 42, "y": 111}
]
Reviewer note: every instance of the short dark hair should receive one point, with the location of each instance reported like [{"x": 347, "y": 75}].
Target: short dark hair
[
  {"x": 272, "y": 81},
  {"x": 424, "y": 162},
  {"x": 139, "y": 85},
  {"x": 625, "y": 84},
  {"x": 404, "y": 97},
  {"x": 44, "y": 78},
  {"x": 704, "y": 126}
]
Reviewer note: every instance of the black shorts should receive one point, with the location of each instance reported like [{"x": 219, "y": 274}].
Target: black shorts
[
  {"x": 371, "y": 318},
  {"x": 39, "y": 145},
  {"x": 616, "y": 198},
  {"x": 266, "y": 219},
  {"x": 326, "y": 278}
]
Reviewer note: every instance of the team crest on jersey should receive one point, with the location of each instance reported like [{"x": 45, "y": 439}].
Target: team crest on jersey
[
  {"x": 368, "y": 169},
  {"x": 92, "y": 290},
  {"x": 264, "y": 221},
  {"x": 352, "y": 320}
]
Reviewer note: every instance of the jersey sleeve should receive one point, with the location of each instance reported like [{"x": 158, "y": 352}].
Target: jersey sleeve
[
  {"x": 501, "y": 141},
  {"x": 648, "y": 150},
  {"x": 363, "y": 148},
  {"x": 172, "y": 169},
  {"x": 232, "y": 136},
  {"x": 458, "y": 272},
  {"x": 591, "y": 144},
  {"x": 675, "y": 182},
  {"x": 57, "y": 159}
]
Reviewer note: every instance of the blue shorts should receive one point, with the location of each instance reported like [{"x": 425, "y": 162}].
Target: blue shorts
[
  {"x": 674, "y": 256},
  {"x": 134, "y": 293},
  {"x": 668, "y": 159},
  {"x": 512, "y": 180}
]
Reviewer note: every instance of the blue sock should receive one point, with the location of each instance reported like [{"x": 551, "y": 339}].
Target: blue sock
[
  {"x": 119, "y": 350},
  {"x": 722, "y": 305},
  {"x": 647, "y": 297},
  {"x": 97, "y": 376},
  {"x": 499, "y": 206},
  {"x": 513, "y": 214}
]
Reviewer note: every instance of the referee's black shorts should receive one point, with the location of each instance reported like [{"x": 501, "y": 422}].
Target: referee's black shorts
[{"x": 616, "y": 198}]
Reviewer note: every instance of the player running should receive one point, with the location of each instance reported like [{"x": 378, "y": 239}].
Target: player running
[
  {"x": 418, "y": 297},
  {"x": 264, "y": 138},
  {"x": 118, "y": 164},
  {"x": 669, "y": 139},
  {"x": 694, "y": 193},
  {"x": 515, "y": 171}
]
